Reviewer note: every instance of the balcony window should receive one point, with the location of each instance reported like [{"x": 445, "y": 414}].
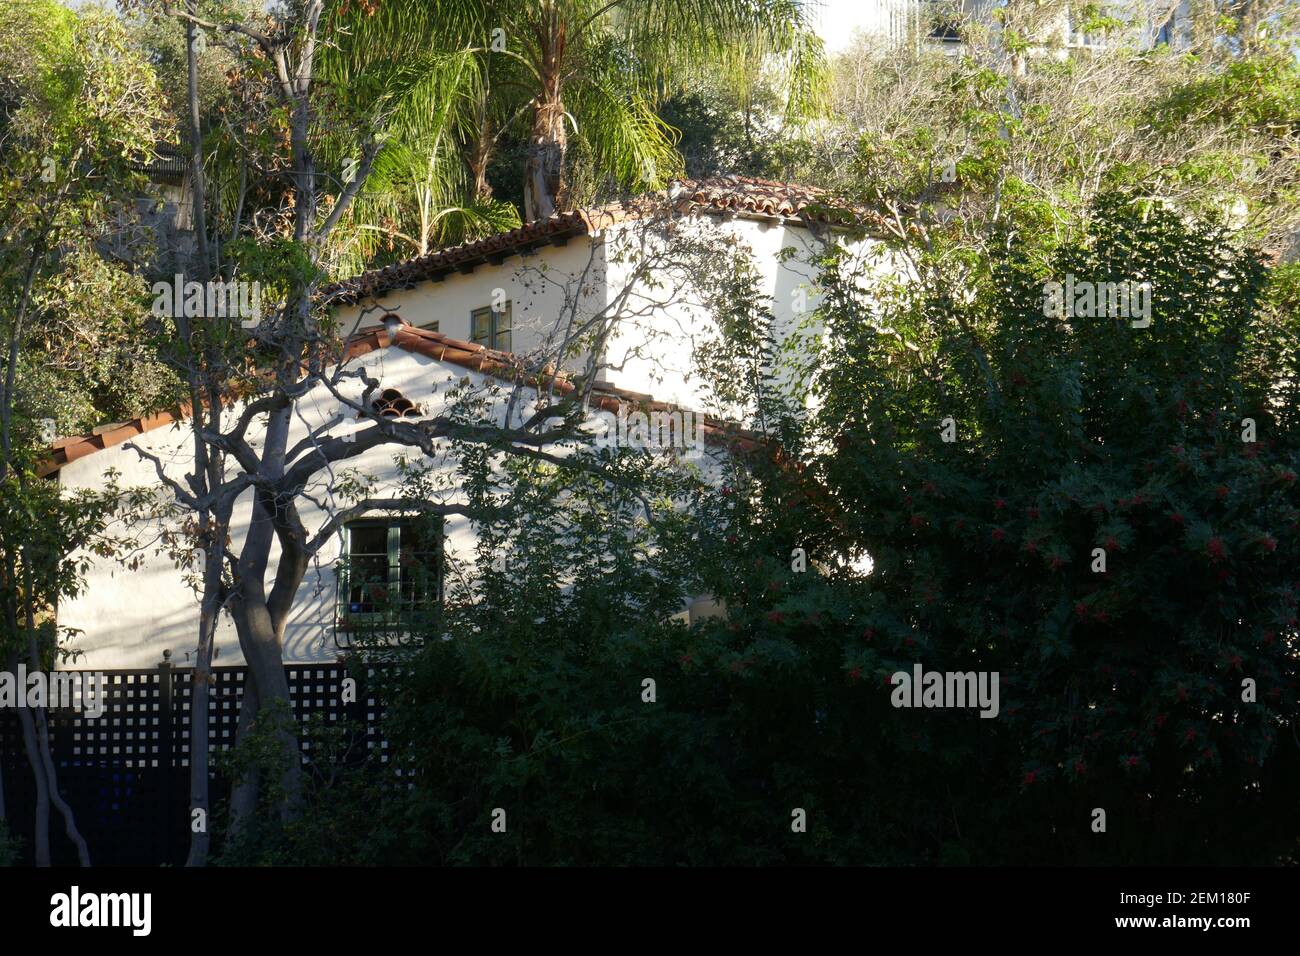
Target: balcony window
[{"x": 389, "y": 581}]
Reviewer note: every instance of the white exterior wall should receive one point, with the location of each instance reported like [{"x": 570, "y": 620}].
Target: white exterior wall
[
  {"x": 128, "y": 617},
  {"x": 784, "y": 255},
  {"x": 536, "y": 286}
]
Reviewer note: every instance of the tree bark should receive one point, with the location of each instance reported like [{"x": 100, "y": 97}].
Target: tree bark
[
  {"x": 41, "y": 836},
  {"x": 544, "y": 166},
  {"x": 200, "y": 686}
]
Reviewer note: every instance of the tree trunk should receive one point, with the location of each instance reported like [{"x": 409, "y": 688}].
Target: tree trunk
[
  {"x": 544, "y": 167},
  {"x": 260, "y": 619},
  {"x": 43, "y": 731},
  {"x": 243, "y": 794},
  {"x": 478, "y": 158},
  {"x": 266, "y": 691},
  {"x": 200, "y": 686},
  {"x": 41, "y": 836}
]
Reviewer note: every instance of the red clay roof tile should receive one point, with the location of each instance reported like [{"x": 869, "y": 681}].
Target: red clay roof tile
[
  {"x": 741, "y": 195},
  {"x": 442, "y": 348}
]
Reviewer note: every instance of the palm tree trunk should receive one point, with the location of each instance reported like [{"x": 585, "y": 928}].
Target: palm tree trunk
[
  {"x": 544, "y": 168},
  {"x": 478, "y": 153}
]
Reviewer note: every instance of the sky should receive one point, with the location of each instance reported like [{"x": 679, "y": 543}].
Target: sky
[{"x": 838, "y": 19}]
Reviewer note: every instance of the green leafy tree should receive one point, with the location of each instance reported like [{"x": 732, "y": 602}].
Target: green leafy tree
[
  {"x": 1072, "y": 503},
  {"x": 78, "y": 108},
  {"x": 579, "y": 71}
]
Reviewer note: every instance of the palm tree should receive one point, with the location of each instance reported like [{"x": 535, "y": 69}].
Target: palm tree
[
  {"x": 556, "y": 72},
  {"x": 424, "y": 84},
  {"x": 597, "y": 70}
]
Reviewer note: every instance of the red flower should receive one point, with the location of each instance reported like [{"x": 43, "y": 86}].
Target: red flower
[
  {"x": 999, "y": 504},
  {"x": 1111, "y": 543},
  {"x": 1033, "y": 513},
  {"x": 1160, "y": 719},
  {"x": 1190, "y": 735},
  {"x": 1268, "y": 543},
  {"x": 775, "y": 617},
  {"x": 1057, "y": 561},
  {"x": 1221, "y": 492},
  {"x": 1081, "y": 609},
  {"x": 1031, "y": 777},
  {"x": 1215, "y": 548},
  {"x": 1080, "y": 768},
  {"x": 998, "y": 534},
  {"x": 1031, "y": 546},
  {"x": 855, "y": 675},
  {"x": 869, "y": 633},
  {"x": 917, "y": 520},
  {"x": 1176, "y": 518},
  {"x": 1132, "y": 761}
]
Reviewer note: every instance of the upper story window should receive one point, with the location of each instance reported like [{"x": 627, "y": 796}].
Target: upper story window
[
  {"x": 944, "y": 21},
  {"x": 491, "y": 327},
  {"x": 389, "y": 580}
]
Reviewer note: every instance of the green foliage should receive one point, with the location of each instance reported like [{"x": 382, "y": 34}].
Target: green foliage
[
  {"x": 346, "y": 805},
  {"x": 721, "y": 135},
  {"x": 1119, "y": 689},
  {"x": 1122, "y": 689}
]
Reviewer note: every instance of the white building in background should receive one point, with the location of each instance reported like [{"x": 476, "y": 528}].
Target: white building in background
[
  {"x": 936, "y": 22},
  {"x": 458, "y": 318}
]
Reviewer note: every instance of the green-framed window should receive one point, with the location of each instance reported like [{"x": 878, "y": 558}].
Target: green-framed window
[
  {"x": 389, "y": 580},
  {"x": 491, "y": 327}
]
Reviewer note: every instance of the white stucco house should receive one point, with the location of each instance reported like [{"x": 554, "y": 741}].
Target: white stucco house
[{"x": 456, "y": 319}]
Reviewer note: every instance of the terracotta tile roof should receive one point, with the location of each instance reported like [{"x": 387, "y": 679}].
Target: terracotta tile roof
[
  {"x": 737, "y": 195},
  {"x": 502, "y": 365},
  {"x": 721, "y": 195}
]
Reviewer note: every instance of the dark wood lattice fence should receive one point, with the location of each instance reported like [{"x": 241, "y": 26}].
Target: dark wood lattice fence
[{"x": 126, "y": 773}]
